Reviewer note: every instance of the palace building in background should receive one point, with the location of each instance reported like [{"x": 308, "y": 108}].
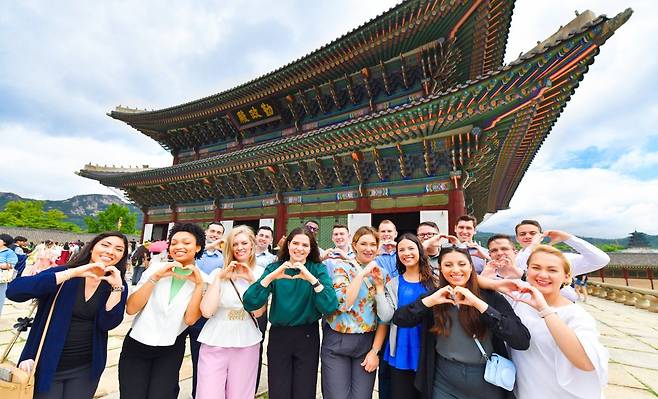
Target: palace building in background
[{"x": 412, "y": 116}]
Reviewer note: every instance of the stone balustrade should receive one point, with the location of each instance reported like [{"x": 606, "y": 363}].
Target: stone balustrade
[{"x": 638, "y": 297}]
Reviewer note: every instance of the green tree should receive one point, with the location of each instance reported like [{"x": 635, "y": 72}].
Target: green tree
[
  {"x": 610, "y": 247},
  {"x": 31, "y": 214},
  {"x": 115, "y": 217}
]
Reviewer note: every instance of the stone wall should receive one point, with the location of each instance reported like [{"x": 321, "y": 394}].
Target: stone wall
[{"x": 39, "y": 235}]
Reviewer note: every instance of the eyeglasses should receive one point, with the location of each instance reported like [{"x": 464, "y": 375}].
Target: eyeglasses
[
  {"x": 461, "y": 245},
  {"x": 312, "y": 228},
  {"x": 426, "y": 234}
]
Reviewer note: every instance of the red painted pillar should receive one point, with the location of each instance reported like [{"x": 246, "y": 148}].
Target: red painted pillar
[
  {"x": 456, "y": 207},
  {"x": 280, "y": 222},
  {"x": 174, "y": 213}
]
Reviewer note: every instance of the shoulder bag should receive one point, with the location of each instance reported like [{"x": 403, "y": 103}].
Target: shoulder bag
[
  {"x": 14, "y": 382},
  {"x": 499, "y": 370}
]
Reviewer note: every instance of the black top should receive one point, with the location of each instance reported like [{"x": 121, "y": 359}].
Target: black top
[
  {"x": 500, "y": 319},
  {"x": 79, "y": 339}
]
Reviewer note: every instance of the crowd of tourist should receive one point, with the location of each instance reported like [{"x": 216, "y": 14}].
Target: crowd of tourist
[{"x": 435, "y": 315}]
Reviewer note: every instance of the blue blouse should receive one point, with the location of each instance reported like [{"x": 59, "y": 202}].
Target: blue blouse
[{"x": 407, "y": 351}]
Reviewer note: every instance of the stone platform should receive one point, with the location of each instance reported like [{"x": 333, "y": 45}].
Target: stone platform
[{"x": 630, "y": 334}]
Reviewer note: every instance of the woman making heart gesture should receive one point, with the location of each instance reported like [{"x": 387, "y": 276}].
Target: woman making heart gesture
[
  {"x": 166, "y": 301},
  {"x": 91, "y": 298},
  {"x": 565, "y": 358},
  {"x": 450, "y": 364},
  {"x": 353, "y": 337},
  {"x": 230, "y": 339},
  {"x": 301, "y": 293}
]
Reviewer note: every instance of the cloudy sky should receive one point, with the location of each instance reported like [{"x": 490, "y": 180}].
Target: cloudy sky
[{"x": 66, "y": 64}]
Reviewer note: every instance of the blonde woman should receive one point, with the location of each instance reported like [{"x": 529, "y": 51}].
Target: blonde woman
[
  {"x": 565, "y": 358},
  {"x": 230, "y": 339}
]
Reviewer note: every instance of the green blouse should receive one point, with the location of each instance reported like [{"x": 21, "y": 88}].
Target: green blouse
[{"x": 294, "y": 302}]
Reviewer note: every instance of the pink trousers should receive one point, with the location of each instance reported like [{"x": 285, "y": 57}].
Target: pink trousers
[{"x": 227, "y": 373}]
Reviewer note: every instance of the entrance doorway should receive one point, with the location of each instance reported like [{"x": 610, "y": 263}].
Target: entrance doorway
[
  {"x": 159, "y": 232},
  {"x": 405, "y": 222},
  {"x": 253, "y": 223}
]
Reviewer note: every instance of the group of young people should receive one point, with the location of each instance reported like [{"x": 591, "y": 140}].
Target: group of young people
[{"x": 425, "y": 310}]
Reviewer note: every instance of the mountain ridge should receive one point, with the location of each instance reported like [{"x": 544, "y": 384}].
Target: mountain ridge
[{"x": 78, "y": 207}]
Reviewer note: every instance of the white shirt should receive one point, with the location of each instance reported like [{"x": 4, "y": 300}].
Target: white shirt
[
  {"x": 159, "y": 323},
  {"x": 231, "y": 326},
  {"x": 543, "y": 371},
  {"x": 588, "y": 259},
  {"x": 264, "y": 259}
]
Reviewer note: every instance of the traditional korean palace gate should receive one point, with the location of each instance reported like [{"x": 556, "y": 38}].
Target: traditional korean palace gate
[{"x": 411, "y": 116}]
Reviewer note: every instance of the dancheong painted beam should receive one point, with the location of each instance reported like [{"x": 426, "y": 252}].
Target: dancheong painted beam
[{"x": 411, "y": 111}]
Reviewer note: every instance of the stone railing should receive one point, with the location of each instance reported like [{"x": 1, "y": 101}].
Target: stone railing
[{"x": 638, "y": 297}]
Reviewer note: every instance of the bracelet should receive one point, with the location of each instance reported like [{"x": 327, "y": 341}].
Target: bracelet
[
  {"x": 150, "y": 279},
  {"x": 317, "y": 284},
  {"x": 118, "y": 288},
  {"x": 547, "y": 311}
]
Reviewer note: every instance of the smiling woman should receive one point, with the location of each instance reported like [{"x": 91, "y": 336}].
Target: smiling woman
[
  {"x": 452, "y": 316},
  {"x": 87, "y": 297},
  {"x": 359, "y": 286},
  {"x": 301, "y": 294},
  {"x": 166, "y": 300}
]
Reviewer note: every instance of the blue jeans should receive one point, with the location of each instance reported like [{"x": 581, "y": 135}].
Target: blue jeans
[{"x": 3, "y": 294}]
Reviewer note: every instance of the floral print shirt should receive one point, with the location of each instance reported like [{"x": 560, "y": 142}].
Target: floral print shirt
[{"x": 362, "y": 316}]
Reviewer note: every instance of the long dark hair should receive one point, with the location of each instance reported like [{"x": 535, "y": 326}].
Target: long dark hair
[
  {"x": 469, "y": 317},
  {"x": 313, "y": 256},
  {"x": 83, "y": 257},
  {"x": 424, "y": 267}
]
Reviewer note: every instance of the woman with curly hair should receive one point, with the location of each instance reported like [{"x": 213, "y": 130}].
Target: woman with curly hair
[{"x": 165, "y": 302}]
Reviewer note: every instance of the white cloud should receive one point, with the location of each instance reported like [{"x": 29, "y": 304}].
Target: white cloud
[
  {"x": 42, "y": 166},
  {"x": 588, "y": 202},
  {"x": 67, "y": 63}
]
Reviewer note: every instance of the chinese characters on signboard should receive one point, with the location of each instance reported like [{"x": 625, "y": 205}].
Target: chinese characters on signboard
[{"x": 255, "y": 114}]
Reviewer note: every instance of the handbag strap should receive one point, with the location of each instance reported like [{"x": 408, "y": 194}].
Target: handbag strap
[
  {"x": 45, "y": 332},
  {"x": 477, "y": 342},
  {"x": 240, "y": 298}
]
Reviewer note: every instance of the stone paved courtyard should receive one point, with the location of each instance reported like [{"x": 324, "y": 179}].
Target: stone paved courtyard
[{"x": 630, "y": 334}]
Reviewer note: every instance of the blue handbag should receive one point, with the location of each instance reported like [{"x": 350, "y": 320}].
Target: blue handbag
[{"x": 499, "y": 370}]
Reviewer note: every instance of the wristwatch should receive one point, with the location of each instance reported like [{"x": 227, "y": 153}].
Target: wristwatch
[
  {"x": 118, "y": 288},
  {"x": 316, "y": 285}
]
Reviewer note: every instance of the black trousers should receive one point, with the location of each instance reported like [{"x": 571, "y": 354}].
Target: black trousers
[
  {"x": 150, "y": 372},
  {"x": 75, "y": 383},
  {"x": 262, "y": 326},
  {"x": 195, "y": 346},
  {"x": 292, "y": 357},
  {"x": 402, "y": 384}
]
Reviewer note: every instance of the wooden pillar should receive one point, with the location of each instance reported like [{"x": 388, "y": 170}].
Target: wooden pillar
[
  {"x": 218, "y": 213},
  {"x": 176, "y": 157},
  {"x": 281, "y": 221},
  {"x": 456, "y": 207},
  {"x": 363, "y": 205},
  {"x": 174, "y": 213}
]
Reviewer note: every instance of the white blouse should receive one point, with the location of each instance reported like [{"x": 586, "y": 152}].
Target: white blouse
[
  {"x": 159, "y": 323},
  {"x": 543, "y": 371},
  {"x": 231, "y": 326}
]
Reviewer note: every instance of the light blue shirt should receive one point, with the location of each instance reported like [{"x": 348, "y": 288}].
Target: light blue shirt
[
  {"x": 210, "y": 261},
  {"x": 8, "y": 256},
  {"x": 264, "y": 259},
  {"x": 388, "y": 262}
]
